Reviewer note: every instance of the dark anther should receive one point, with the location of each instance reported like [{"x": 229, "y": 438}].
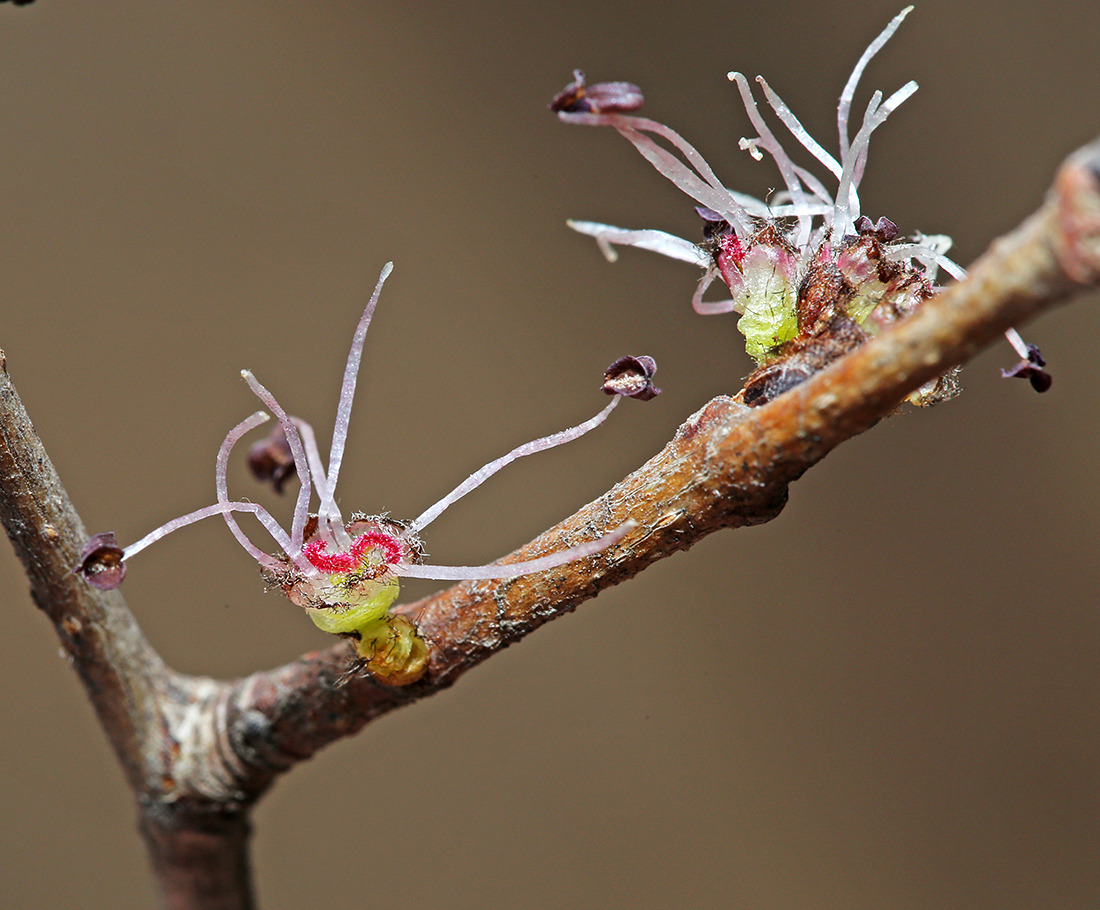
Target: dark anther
[
  {"x": 632, "y": 377},
  {"x": 101, "y": 562},
  {"x": 1031, "y": 370},
  {"x": 601, "y": 98},
  {"x": 271, "y": 461},
  {"x": 884, "y": 229}
]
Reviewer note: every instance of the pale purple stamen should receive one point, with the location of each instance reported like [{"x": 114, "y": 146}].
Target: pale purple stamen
[
  {"x": 330, "y": 524},
  {"x": 711, "y": 307},
  {"x": 516, "y": 569},
  {"x": 272, "y": 526},
  {"x": 347, "y": 393},
  {"x": 846, "y": 96},
  {"x": 301, "y": 506},
  {"x": 222, "y": 487},
  {"x": 701, "y": 183},
  {"x": 701, "y": 191},
  {"x": 645, "y": 125},
  {"x": 528, "y": 448}
]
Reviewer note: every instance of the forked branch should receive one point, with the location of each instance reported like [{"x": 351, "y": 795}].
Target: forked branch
[{"x": 198, "y": 752}]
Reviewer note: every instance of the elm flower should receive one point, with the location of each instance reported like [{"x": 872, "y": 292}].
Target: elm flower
[
  {"x": 805, "y": 269},
  {"x": 345, "y": 574},
  {"x": 1030, "y": 366}
]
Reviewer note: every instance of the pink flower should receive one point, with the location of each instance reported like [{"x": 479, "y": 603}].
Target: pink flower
[
  {"x": 763, "y": 251},
  {"x": 345, "y": 574}
]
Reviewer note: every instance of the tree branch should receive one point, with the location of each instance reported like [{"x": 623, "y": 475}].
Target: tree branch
[
  {"x": 123, "y": 675},
  {"x": 161, "y": 724},
  {"x": 728, "y": 466},
  {"x": 198, "y": 752}
]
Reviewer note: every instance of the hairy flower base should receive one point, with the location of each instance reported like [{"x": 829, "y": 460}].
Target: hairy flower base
[
  {"x": 799, "y": 320},
  {"x": 349, "y": 593},
  {"x": 389, "y": 644}
]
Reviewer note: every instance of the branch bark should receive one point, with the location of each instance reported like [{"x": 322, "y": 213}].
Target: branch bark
[
  {"x": 198, "y": 752},
  {"x": 728, "y": 466}
]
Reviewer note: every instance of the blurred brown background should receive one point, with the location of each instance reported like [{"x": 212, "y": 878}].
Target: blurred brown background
[{"x": 887, "y": 698}]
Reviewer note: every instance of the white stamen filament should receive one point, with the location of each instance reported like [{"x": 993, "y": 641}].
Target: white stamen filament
[
  {"x": 515, "y": 569},
  {"x": 885, "y": 110},
  {"x": 347, "y": 393},
  {"x": 928, "y": 256},
  {"x": 816, "y": 187},
  {"x": 330, "y": 524},
  {"x": 797, "y": 129},
  {"x": 770, "y": 144},
  {"x": 847, "y": 201},
  {"x": 656, "y": 241},
  {"x": 528, "y": 448},
  {"x": 222, "y": 487},
  {"x": 710, "y": 307},
  {"x": 846, "y": 96},
  {"x": 301, "y": 463},
  {"x": 183, "y": 521}
]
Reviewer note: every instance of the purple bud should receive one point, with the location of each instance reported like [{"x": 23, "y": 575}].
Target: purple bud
[
  {"x": 632, "y": 377},
  {"x": 101, "y": 562},
  {"x": 601, "y": 98},
  {"x": 1031, "y": 370},
  {"x": 270, "y": 460}
]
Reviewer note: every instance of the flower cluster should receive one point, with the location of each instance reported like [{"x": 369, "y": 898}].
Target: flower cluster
[
  {"x": 810, "y": 275},
  {"x": 345, "y": 575}
]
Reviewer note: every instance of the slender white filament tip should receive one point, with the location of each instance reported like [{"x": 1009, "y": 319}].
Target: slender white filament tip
[
  {"x": 845, "y": 105},
  {"x": 347, "y": 393},
  {"x": 301, "y": 463},
  {"x": 528, "y": 448}
]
